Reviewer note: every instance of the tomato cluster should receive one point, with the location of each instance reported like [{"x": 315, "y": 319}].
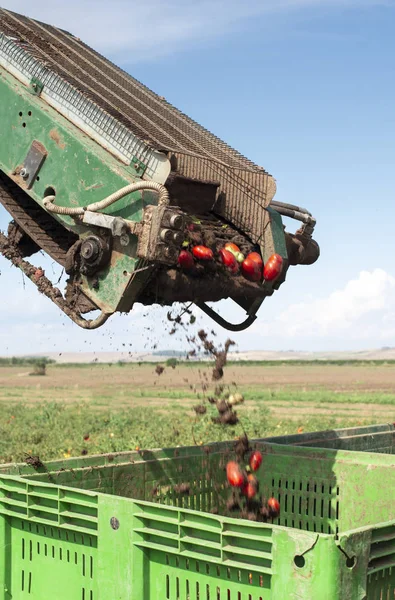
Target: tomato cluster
[
  {"x": 251, "y": 266},
  {"x": 247, "y": 483}
]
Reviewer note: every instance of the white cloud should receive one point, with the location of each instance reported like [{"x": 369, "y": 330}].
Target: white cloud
[
  {"x": 360, "y": 315},
  {"x": 134, "y": 31},
  {"x": 362, "y": 310}
]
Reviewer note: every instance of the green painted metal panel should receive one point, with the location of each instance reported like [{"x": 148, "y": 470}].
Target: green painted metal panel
[
  {"x": 278, "y": 236},
  {"x": 80, "y": 172}
]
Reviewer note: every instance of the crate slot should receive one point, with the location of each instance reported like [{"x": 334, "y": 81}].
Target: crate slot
[
  {"x": 382, "y": 549},
  {"x": 382, "y": 563},
  {"x": 78, "y": 502},
  {"x": 193, "y": 541},
  {"x": 77, "y": 516},
  {"x": 13, "y": 502},
  {"x": 158, "y": 518},
  {"x": 157, "y": 533},
  {"x": 13, "y": 486},
  {"x": 201, "y": 526},
  {"x": 247, "y": 552},
  {"x": 43, "y": 508}
]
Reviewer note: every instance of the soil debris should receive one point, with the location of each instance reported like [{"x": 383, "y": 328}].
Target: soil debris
[
  {"x": 182, "y": 488},
  {"x": 219, "y": 355},
  {"x": 232, "y": 504},
  {"x": 200, "y": 409},
  {"x": 222, "y": 406},
  {"x": 227, "y": 418},
  {"x": 33, "y": 461},
  {"x": 242, "y": 447}
]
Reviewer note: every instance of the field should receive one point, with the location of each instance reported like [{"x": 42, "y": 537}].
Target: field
[{"x": 124, "y": 406}]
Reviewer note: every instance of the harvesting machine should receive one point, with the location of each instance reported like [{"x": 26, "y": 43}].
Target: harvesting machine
[{"x": 112, "y": 182}]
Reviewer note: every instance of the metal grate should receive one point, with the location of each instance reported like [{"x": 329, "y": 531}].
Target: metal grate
[{"x": 120, "y": 108}]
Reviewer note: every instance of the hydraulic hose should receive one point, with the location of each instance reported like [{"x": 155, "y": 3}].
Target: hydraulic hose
[
  {"x": 278, "y": 204},
  {"x": 102, "y": 204},
  {"x": 296, "y": 212}
]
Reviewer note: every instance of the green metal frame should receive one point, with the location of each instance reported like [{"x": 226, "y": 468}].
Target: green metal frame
[{"x": 80, "y": 172}]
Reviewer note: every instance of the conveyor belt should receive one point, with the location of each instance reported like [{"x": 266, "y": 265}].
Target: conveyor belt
[
  {"x": 245, "y": 188},
  {"x": 48, "y": 234}
]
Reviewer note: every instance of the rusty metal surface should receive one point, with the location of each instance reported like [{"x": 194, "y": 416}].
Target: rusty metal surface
[
  {"x": 47, "y": 233},
  {"x": 245, "y": 188},
  {"x": 45, "y": 286}
]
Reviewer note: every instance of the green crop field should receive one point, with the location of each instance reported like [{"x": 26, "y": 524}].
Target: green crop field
[{"x": 79, "y": 409}]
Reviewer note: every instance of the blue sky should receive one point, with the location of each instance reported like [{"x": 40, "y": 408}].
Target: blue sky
[{"x": 303, "y": 87}]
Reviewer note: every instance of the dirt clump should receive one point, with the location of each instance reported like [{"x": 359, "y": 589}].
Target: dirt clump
[
  {"x": 200, "y": 409},
  {"x": 242, "y": 447},
  {"x": 219, "y": 355},
  {"x": 182, "y": 488},
  {"x": 33, "y": 461},
  {"x": 228, "y": 417}
]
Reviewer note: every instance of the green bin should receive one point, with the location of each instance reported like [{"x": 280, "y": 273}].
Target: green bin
[{"x": 112, "y": 527}]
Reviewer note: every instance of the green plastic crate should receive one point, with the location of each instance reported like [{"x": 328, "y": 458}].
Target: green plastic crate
[
  {"x": 112, "y": 527},
  {"x": 374, "y": 438}
]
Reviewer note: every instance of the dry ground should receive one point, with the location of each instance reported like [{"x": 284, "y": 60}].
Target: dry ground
[{"x": 289, "y": 391}]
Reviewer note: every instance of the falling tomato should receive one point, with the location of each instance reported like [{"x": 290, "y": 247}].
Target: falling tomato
[
  {"x": 274, "y": 507},
  {"x": 255, "y": 460},
  {"x": 234, "y": 474},
  {"x": 250, "y": 487}
]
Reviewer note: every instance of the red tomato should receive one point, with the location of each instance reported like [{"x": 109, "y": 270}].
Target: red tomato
[
  {"x": 234, "y": 474},
  {"x": 256, "y": 257},
  {"x": 273, "y": 267},
  {"x": 250, "y": 488},
  {"x": 229, "y": 260},
  {"x": 231, "y": 247},
  {"x": 251, "y": 270},
  {"x": 255, "y": 460},
  {"x": 202, "y": 253},
  {"x": 274, "y": 507},
  {"x": 185, "y": 259},
  {"x": 235, "y": 250}
]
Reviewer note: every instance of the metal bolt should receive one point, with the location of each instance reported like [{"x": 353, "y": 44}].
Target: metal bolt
[
  {"x": 124, "y": 239},
  {"x": 114, "y": 523},
  {"x": 177, "y": 221},
  {"x": 166, "y": 235},
  {"x": 89, "y": 250},
  {"x": 178, "y": 238},
  {"x": 24, "y": 173}
]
